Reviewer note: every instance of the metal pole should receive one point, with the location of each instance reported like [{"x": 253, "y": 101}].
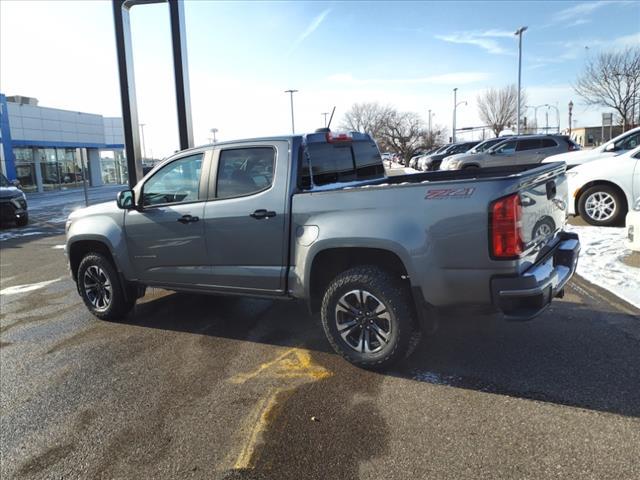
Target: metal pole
[
  {"x": 519, "y": 33},
  {"x": 546, "y": 121},
  {"x": 82, "y": 152},
  {"x": 144, "y": 151},
  {"x": 293, "y": 126},
  {"x": 325, "y": 118},
  {"x": 455, "y": 106},
  {"x": 430, "y": 135},
  {"x": 181, "y": 72}
]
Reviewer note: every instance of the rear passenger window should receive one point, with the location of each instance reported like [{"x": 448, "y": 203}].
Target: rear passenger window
[
  {"x": 368, "y": 161},
  {"x": 331, "y": 163},
  {"x": 244, "y": 171},
  {"x": 528, "y": 144},
  {"x": 548, "y": 143}
]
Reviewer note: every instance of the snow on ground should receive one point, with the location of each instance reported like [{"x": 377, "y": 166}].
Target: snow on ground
[{"x": 600, "y": 261}]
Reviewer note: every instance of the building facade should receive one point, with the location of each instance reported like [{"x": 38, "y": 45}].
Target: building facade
[
  {"x": 49, "y": 149},
  {"x": 593, "y": 136}
]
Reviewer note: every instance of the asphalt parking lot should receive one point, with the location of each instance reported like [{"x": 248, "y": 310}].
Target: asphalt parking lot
[{"x": 216, "y": 387}]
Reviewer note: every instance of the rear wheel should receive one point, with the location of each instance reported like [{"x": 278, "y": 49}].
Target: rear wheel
[
  {"x": 101, "y": 289},
  {"x": 368, "y": 317},
  {"x": 602, "y": 205}
]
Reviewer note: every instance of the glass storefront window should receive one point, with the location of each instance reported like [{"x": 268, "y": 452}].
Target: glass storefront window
[
  {"x": 25, "y": 169},
  {"x": 49, "y": 168},
  {"x": 70, "y": 165},
  {"x": 113, "y": 167}
]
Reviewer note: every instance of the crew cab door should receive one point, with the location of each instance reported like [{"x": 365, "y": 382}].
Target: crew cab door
[
  {"x": 165, "y": 235},
  {"x": 246, "y": 218}
]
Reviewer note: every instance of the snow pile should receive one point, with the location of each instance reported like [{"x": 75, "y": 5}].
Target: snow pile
[{"x": 600, "y": 261}]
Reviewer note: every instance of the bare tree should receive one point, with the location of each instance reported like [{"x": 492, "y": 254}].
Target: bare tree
[
  {"x": 404, "y": 133},
  {"x": 437, "y": 136},
  {"x": 498, "y": 108},
  {"x": 612, "y": 79},
  {"x": 368, "y": 117}
]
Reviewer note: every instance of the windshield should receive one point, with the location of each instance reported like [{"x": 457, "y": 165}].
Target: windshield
[
  {"x": 486, "y": 145},
  {"x": 3, "y": 181}
]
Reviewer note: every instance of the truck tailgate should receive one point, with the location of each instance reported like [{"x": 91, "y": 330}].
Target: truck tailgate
[{"x": 543, "y": 198}]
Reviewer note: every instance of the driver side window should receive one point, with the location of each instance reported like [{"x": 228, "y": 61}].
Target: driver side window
[
  {"x": 629, "y": 143},
  {"x": 177, "y": 182}
]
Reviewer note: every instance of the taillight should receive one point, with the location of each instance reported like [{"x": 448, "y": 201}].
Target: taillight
[
  {"x": 505, "y": 224},
  {"x": 338, "y": 137}
]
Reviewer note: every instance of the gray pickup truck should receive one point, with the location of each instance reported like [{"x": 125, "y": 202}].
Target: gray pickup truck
[{"x": 314, "y": 217}]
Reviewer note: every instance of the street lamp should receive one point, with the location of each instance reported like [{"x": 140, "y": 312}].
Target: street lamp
[
  {"x": 455, "y": 108},
  {"x": 570, "y": 113},
  {"x": 519, "y": 33},
  {"x": 291, "y": 92}
]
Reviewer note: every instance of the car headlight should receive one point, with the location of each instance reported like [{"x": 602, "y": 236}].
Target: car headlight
[
  {"x": 636, "y": 205},
  {"x": 67, "y": 225},
  {"x": 453, "y": 165}
]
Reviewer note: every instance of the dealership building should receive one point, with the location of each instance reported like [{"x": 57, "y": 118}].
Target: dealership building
[{"x": 49, "y": 149}]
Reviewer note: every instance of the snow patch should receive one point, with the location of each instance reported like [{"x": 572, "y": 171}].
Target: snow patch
[{"x": 600, "y": 261}]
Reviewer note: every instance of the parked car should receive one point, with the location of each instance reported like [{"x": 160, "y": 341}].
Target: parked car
[
  {"x": 616, "y": 146},
  {"x": 479, "y": 148},
  {"x": 13, "y": 203},
  {"x": 527, "y": 149},
  {"x": 433, "y": 161},
  {"x": 422, "y": 161},
  {"x": 366, "y": 250},
  {"x": 600, "y": 191},
  {"x": 633, "y": 226},
  {"x": 414, "y": 159}
]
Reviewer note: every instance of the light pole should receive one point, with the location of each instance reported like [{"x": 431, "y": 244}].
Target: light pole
[
  {"x": 293, "y": 125},
  {"x": 324, "y": 114},
  {"x": 455, "y": 108},
  {"x": 144, "y": 153},
  {"x": 570, "y": 113},
  {"x": 430, "y": 131},
  {"x": 519, "y": 33},
  {"x": 213, "y": 132}
]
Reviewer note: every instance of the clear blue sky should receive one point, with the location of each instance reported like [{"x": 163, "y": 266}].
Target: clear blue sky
[{"x": 243, "y": 55}]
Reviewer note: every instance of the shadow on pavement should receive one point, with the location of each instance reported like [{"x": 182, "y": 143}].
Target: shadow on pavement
[{"x": 572, "y": 355}]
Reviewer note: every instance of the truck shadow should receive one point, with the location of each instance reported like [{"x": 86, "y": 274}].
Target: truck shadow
[{"x": 574, "y": 354}]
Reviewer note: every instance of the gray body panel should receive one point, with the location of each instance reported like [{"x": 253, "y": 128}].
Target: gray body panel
[{"x": 442, "y": 241}]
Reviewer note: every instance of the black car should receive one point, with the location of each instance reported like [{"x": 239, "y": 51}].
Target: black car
[
  {"x": 433, "y": 162},
  {"x": 13, "y": 203}
]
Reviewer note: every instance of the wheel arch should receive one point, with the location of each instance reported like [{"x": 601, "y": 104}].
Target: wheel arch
[
  {"x": 327, "y": 263},
  {"x": 81, "y": 247}
]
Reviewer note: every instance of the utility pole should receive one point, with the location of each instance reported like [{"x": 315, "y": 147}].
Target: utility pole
[
  {"x": 430, "y": 135},
  {"x": 293, "y": 125},
  {"x": 144, "y": 152},
  {"x": 519, "y": 33},
  {"x": 324, "y": 114},
  {"x": 546, "y": 120}
]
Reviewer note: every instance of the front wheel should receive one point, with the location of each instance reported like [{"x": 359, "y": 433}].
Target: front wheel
[
  {"x": 602, "y": 206},
  {"x": 101, "y": 289},
  {"x": 368, "y": 318}
]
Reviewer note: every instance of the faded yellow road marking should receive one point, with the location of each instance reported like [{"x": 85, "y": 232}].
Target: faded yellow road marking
[
  {"x": 294, "y": 362},
  {"x": 296, "y": 367}
]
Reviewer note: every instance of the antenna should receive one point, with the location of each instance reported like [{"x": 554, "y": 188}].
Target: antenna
[{"x": 331, "y": 117}]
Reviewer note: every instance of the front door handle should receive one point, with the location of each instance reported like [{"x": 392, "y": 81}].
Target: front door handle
[
  {"x": 262, "y": 213},
  {"x": 188, "y": 219}
]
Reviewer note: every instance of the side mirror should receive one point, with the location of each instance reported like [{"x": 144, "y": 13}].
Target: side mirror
[
  {"x": 491, "y": 152},
  {"x": 126, "y": 200},
  {"x": 610, "y": 148}
]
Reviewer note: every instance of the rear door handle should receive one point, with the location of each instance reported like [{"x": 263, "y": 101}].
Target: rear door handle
[
  {"x": 262, "y": 213},
  {"x": 188, "y": 219}
]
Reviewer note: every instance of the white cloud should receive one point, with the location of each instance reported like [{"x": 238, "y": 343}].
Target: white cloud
[
  {"x": 484, "y": 39},
  {"x": 576, "y": 15},
  {"x": 312, "y": 27}
]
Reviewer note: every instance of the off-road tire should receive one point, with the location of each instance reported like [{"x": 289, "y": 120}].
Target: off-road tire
[
  {"x": 395, "y": 296},
  {"x": 119, "y": 304}
]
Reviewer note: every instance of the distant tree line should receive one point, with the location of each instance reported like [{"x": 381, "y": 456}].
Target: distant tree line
[{"x": 402, "y": 132}]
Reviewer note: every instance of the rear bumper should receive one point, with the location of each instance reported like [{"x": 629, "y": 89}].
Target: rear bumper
[{"x": 525, "y": 296}]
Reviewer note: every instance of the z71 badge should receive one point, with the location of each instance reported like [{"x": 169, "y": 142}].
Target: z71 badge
[{"x": 442, "y": 193}]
